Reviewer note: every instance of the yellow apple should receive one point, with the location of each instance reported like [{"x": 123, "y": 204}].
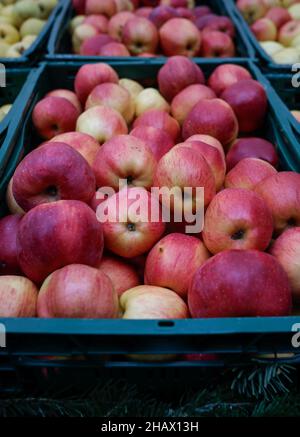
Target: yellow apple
[
  {"x": 9, "y": 34},
  {"x": 32, "y": 26},
  {"x": 76, "y": 21},
  {"x": 133, "y": 87},
  {"x": 150, "y": 98},
  {"x": 288, "y": 55},
  {"x": 271, "y": 47}
]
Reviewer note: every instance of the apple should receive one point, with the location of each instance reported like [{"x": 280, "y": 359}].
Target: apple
[
  {"x": 288, "y": 55},
  {"x": 217, "y": 44},
  {"x": 148, "y": 99},
  {"x": 149, "y": 302},
  {"x": 132, "y": 86},
  {"x": 54, "y": 115},
  {"x": 294, "y": 11},
  {"x": 185, "y": 13},
  {"x": 100, "y": 22},
  {"x": 9, "y": 264},
  {"x": 178, "y": 73},
  {"x": 207, "y": 139},
  {"x": 279, "y": 16},
  {"x": 53, "y": 235},
  {"x": 248, "y": 173},
  {"x": 271, "y": 47},
  {"x": 79, "y": 292},
  {"x": 230, "y": 284},
  {"x": 9, "y": 33},
  {"x": 159, "y": 119},
  {"x": 172, "y": 262},
  {"x": 252, "y": 10},
  {"x": 50, "y": 173},
  {"x": 32, "y": 26},
  {"x": 221, "y": 24},
  {"x": 105, "y": 7},
  {"x": 91, "y": 75},
  {"x": 288, "y": 32},
  {"x": 124, "y": 157},
  {"x": 212, "y": 117},
  {"x": 76, "y": 21},
  {"x": 92, "y": 46},
  {"x": 226, "y": 75},
  {"x": 114, "y": 49},
  {"x": 140, "y": 36},
  {"x": 116, "y": 24},
  {"x": 122, "y": 275},
  {"x": 281, "y": 193},
  {"x": 296, "y": 42},
  {"x": 200, "y": 11},
  {"x": 18, "y": 296},
  {"x": 186, "y": 41},
  {"x": 161, "y": 14},
  {"x": 252, "y": 147},
  {"x": 264, "y": 29},
  {"x": 205, "y": 20},
  {"x": 82, "y": 33},
  {"x": 67, "y": 94},
  {"x": 178, "y": 3},
  {"x": 286, "y": 249},
  {"x": 129, "y": 232},
  {"x": 12, "y": 205},
  {"x": 113, "y": 96},
  {"x": 158, "y": 141},
  {"x": 296, "y": 114},
  {"x": 102, "y": 123},
  {"x": 185, "y": 167},
  {"x": 249, "y": 101},
  {"x": 237, "y": 219},
  {"x": 184, "y": 101},
  {"x": 144, "y": 12},
  {"x": 79, "y": 6},
  {"x": 84, "y": 144}
]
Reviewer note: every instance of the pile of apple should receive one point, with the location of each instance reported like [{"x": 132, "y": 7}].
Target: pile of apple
[
  {"x": 276, "y": 25},
  {"x": 20, "y": 23},
  {"x": 150, "y": 28},
  {"x": 190, "y": 133}
]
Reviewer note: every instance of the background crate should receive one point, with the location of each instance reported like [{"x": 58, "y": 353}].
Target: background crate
[{"x": 59, "y": 46}]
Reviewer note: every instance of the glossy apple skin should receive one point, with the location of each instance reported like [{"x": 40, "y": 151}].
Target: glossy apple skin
[
  {"x": 117, "y": 23},
  {"x": 77, "y": 291},
  {"x": 149, "y": 302},
  {"x": 93, "y": 45},
  {"x": 159, "y": 119},
  {"x": 67, "y": 94},
  {"x": 251, "y": 147},
  {"x": 114, "y": 49},
  {"x": 140, "y": 36},
  {"x": 125, "y": 234},
  {"x": 217, "y": 44},
  {"x": 172, "y": 262},
  {"x": 9, "y": 264},
  {"x": 105, "y": 7},
  {"x": 212, "y": 117},
  {"x": 239, "y": 283},
  {"x": 100, "y": 22},
  {"x": 18, "y": 297},
  {"x": 91, "y": 75},
  {"x": 286, "y": 249},
  {"x": 178, "y": 73},
  {"x": 248, "y": 173},
  {"x": 161, "y": 14},
  {"x": 54, "y": 115},
  {"x": 124, "y": 157},
  {"x": 50, "y": 173},
  {"x": 122, "y": 275},
  {"x": 237, "y": 219},
  {"x": 249, "y": 101},
  {"x": 158, "y": 141},
  {"x": 225, "y": 76},
  {"x": 281, "y": 193},
  {"x": 185, "y": 42},
  {"x": 56, "y": 234},
  {"x": 184, "y": 101}
]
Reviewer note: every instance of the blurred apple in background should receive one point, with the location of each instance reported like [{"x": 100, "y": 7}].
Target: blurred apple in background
[
  {"x": 296, "y": 114},
  {"x": 217, "y": 44},
  {"x": 252, "y": 10},
  {"x": 93, "y": 45},
  {"x": 100, "y": 22},
  {"x": 18, "y": 297},
  {"x": 105, "y": 7},
  {"x": 264, "y": 29},
  {"x": 140, "y": 36},
  {"x": 161, "y": 14},
  {"x": 116, "y": 24},
  {"x": 114, "y": 49},
  {"x": 185, "y": 41},
  {"x": 279, "y": 16}
]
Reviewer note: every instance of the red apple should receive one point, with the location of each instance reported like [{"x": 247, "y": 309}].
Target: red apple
[
  {"x": 205, "y": 20},
  {"x": 248, "y": 173},
  {"x": 281, "y": 193},
  {"x": 81, "y": 33},
  {"x": 239, "y": 283},
  {"x": 221, "y": 24},
  {"x": 100, "y": 22},
  {"x": 129, "y": 230},
  {"x": 207, "y": 139},
  {"x": 251, "y": 148},
  {"x": 54, "y": 115},
  {"x": 18, "y": 296},
  {"x": 117, "y": 23},
  {"x": 184, "y": 101},
  {"x": 158, "y": 141},
  {"x": 159, "y": 119},
  {"x": 212, "y": 117},
  {"x": 91, "y": 75},
  {"x": 9, "y": 250},
  {"x": 178, "y": 73},
  {"x": 161, "y": 14},
  {"x": 52, "y": 172},
  {"x": 56, "y": 234},
  {"x": 102, "y": 123},
  {"x": 201, "y": 11},
  {"x": 252, "y": 10},
  {"x": 249, "y": 101},
  {"x": 185, "y": 13},
  {"x": 79, "y": 6},
  {"x": 286, "y": 249},
  {"x": 144, "y": 12},
  {"x": 92, "y": 46},
  {"x": 124, "y": 157},
  {"x": 186, "y": 41},
  {"x": 172, "y": 262},
  {"x": 67, "y": 94},
  {"x": 264, "y": 30},
  {"x": 114, "y": 49},
  {"x": 12, "y": 205},
  {"x": 122, "y": 275},
  {"x": 226, "y": 75},
  {"x": 288, "y": 32},
  {"x": 237, "y": 219},
  {"x": 79, "y": 292},
  {"x": 217, "y": 44},
  {"x": 105, "y": 7},
  {"x": 140, "y": 36},
  {"x": 279, "y": 16}
]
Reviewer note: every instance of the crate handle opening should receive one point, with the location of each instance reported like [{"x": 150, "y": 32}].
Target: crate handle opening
[{"x": 166, "y": 324}]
